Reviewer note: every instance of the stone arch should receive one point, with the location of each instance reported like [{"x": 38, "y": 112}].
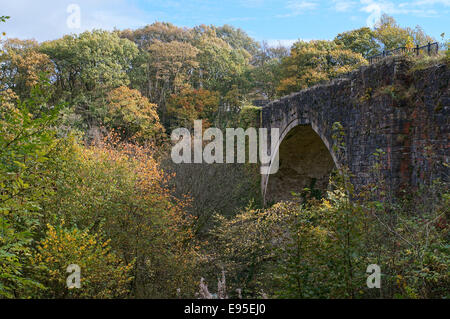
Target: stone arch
[
  {"x": 298, "y": 169},
  {"x": 375, "y": 121}
]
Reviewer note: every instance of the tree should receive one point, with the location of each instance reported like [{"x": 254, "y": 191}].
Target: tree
[
  {"x": 165, "y": 63},
  {"x": 158, "y": 31},
  {"x": 173, "y": 59},
  {"x": 389, "y": 33},
  {"x": 190, "y": 105},
  {"x": 316, "y": 61},
  {"x": 321, "y": 249},
  {"x": 220, "y": 66},
  {"x": 232, "y": 101},
  {"x": 132, "y": 115},
  {"x": 26, "y": 143},
  {"x": 89, "y": 65},
  {"x": 266, "y": 74},
  {"x": 420, "y": 37},
  {"x": 22, "y": 65},
  {"x": 361, "y": 41},
  {"x": 170, "y": 66},
  {"x": 119, "y": 190},
  {"x": 214, "y": 189},
  {"x": 392, "y": 36},
  {"x": 237, "y": 38},
  {"x": 245, "y": 246}
]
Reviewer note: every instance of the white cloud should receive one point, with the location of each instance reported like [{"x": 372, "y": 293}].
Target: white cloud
[
  {"x": 46, "y": 19},
  {"x": 421, "y": 8},
  {"x": 300, "y": 6},
  {"x": 344, "y": 5},
  {"x": 424, "y": 8},
  {"x": 283, "y": 42},
  {"x": 426, "y": 3},
  {"x": 376, "y": 9},
  {"x": 297, "y": 7},
  {"x": 252, "y": 3},
  {"x": 373, "y": 5}
]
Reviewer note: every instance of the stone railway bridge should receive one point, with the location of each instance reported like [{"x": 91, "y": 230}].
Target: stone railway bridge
[{"x": 391, "y": 105}]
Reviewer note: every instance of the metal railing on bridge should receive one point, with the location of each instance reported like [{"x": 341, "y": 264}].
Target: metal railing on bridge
[{"x": 430, "y": 48}]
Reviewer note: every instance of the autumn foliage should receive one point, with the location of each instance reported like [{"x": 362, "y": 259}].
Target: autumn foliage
[
  {"x": 128, "y": 112},
  {"x": 86, "y": 177},
  {"x": 104, "y": 274},
  {"x": 191, "y": 105}
]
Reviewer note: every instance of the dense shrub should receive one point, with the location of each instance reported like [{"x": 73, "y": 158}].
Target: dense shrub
[
  {"x": 102, "y": 273},
  {"x": 322, "y": 249}
]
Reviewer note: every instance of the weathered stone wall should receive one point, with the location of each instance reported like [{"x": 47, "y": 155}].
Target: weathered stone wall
[{"x": 388, "y": 106}]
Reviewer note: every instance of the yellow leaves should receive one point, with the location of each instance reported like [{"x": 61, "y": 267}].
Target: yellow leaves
[
  {"x": 106, "y": 243},
  {"x": 25, "y": 64},
  {"x": 326, "y": 203},
  {"x": 62, "y": 247},
  {"x": 409, "y": 43},
  {"x": 400, "y": 281},
  {"x": 121, "y": 187},
  {"x": 315, "y": 61}
]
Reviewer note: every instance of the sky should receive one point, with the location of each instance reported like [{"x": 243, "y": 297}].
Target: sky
[{"x": 276, "y": 21}]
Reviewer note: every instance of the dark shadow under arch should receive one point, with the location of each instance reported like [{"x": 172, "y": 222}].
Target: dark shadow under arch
[{"x": 304, "y": 160}]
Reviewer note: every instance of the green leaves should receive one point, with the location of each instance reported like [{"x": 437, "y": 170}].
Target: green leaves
[
  {"x": 321, "y": 249},
  {"x": 361, "y": 41},
  {"x": 316, "y": 61},
  {"x": 90, "y": 64},
  {"x": 25, "y": 141}
]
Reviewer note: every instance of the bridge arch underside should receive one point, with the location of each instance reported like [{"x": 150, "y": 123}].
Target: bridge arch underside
[{"x": 304, "y": 161}]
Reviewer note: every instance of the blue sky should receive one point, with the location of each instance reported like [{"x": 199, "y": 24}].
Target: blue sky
[{"x": 271, "y": 20}]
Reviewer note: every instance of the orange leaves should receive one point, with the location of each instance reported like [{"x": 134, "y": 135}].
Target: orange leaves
[
  {"x": 119, "y": 188},
  {"x": 191, "y": 104},
  {"x": 133, "y": 169}
]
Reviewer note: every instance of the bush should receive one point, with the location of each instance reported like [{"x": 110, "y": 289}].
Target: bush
[
  {"x": 26, "y": 141},
  {"x": 249, "y": 116},
  {"x": 103, "y": 273},
  {"x": 322, "y": 249},
  {"x": 118, "y": 189},
  {"x": 131, "y": 114}
]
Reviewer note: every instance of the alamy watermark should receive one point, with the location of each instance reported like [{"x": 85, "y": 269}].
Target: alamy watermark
[
  {"x": 74, "y": 19},
  {"x": 374, "y": 279},
  {"x": 213, "y": 151},
  {"x": 74, "y": 279}
]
